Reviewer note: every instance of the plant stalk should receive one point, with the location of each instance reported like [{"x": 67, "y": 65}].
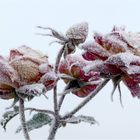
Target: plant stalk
[{"x": 22, "y": 119}]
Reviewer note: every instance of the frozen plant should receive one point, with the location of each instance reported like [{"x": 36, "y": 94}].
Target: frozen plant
[{"x": 26, "y": 73}]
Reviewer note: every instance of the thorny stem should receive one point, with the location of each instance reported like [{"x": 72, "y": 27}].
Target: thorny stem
[
  {"x": 83, "y": 103},
  {"x": 22, "y": 118}
]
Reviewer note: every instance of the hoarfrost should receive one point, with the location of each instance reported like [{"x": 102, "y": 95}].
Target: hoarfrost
[
  {"x": 78, "y": 31},
  {"x": 93, "y": 66},
  {"x": 94, "y": 47},
  {"x": 123, "y": 59},
  {"x": 44, "y": 68},
  {"x": 32, "y": 90},
  {"x": 126, "y": 61}
]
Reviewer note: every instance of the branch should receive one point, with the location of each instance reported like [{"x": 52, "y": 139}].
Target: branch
[
  {"x": 55, "y": 125},
  {"x": 83, "y": 103},
  {"x": 22, "y": 119},
  {"x": 56, "y": 70}
]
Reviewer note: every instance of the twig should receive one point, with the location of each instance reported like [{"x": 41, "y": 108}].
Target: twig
[
  {"x": 83, "y": 103},
  {"x": 22, "y": 118},
  {"x": 56, "y": 70},
  {"x": 40, "y": 110}
]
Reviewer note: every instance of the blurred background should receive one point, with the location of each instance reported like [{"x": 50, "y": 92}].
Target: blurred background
[{"x": 18, "y": 21}]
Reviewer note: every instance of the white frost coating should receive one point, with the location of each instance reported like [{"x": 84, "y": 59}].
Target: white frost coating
[
  {"x": 97, "y": 82},
  {"x": 78, "y": 31},
  {"x": 43, "y": 68},
  {"x": 94, "y": 47},
  {"x": 133, "y": 70},
  {"x": 49, "y": 76},
  {"x": 27, "y": 51},
  {"x": 113, "y": 39},
  {"x": 93, "y": 66},
  {"x": 133, "y": 39},
  {"x": 72, "y": 60},
  {"x": 77, "y": 60},
  {"x": 34, "y": 89},
  {"x": 97, "y": 34},
  {"x": 49, "y": 80},
  {"x": 124, "y": 61}
]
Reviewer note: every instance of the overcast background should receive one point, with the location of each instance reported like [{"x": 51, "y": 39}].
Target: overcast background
[{"x": 18, "y": 21}]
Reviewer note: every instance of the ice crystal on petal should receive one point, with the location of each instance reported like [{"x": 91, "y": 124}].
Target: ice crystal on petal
[
  {"x": 27, "y": 51},
  {"x": 45, "y": 67},
  {"x": 131, "y": 38},
  {"x": 93, "y": 66},
  {"x": 49, "y": 80},
  {"x": 123, "y": 59},
  {"x": 96, "y": 49},
  {"x": 34, "y": 89}
]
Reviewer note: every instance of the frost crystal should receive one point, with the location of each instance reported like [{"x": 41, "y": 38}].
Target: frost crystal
[
  {"x": 34, "y": 89},
  {"x": 95, "y": 48},
  {"x": 123, "y": 59},
  {"x": 44, "y": 68}
]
